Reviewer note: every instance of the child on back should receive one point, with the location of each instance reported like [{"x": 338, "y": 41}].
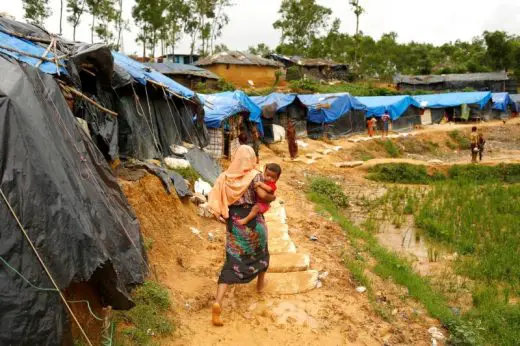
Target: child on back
[{"x": 271, "y": 175}]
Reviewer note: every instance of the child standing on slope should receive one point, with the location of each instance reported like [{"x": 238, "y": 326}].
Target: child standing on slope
[{"x": 271, "y": 175}]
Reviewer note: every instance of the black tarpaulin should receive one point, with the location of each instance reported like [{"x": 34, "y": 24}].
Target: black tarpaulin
[
  {"x": 70, "y": 204},
  {"x": 201, "y": 161}
]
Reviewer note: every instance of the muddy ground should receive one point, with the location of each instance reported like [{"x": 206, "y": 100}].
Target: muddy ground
[{"x": 335, "y": 314}]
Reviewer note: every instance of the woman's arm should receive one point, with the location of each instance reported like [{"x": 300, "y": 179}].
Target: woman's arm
[{"x": 264, "y": 196}]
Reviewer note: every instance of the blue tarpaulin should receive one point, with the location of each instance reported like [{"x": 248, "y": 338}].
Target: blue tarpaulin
[
  {"x": 501, "y": 101},
  {"x": 282, "y": 100},
  {"x": 515, "y": 100},
  {"x": 453, "y": 99},
  {"x": 29, "y": 47},
  {"x": 221, "y": 106},
  {"x": 327, "y": 108},
  {"x": 395, "y": 105},
  {"x": 142, "y": 73}
]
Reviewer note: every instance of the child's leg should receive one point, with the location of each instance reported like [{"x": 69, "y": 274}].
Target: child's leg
[{"x": 252, "y": 214}]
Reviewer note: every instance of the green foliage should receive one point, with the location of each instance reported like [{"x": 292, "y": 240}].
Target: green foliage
[
  {"x": 36, "y": 11},
  {"x": 261, "y": 49},
  {"x": 390, "y": 147},
  {"x": 188, "y": 173},
  {"x": 75, "y": 8},
  {"x": 293, "y": 73},
  {"x": 329, "y": 189},
  {"x": 224, "y": 85},
  {"x": 462, "y": 141},
  {"x": 304, "y": 86},
  {"x": 301, "y": 21},
  {"x": 148, "y": 318},
  {"x": 403, "y": 173}
]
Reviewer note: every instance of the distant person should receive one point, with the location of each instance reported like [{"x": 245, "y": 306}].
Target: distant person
[
  {"x": 271, "y": 175},
  {"x": 473, "y": 138},
  {"x": 386, "y": 123},
  {"x": 371, "y": 124},
  {"x": 481, "y": 144},
  {"x": 291, "y": 139},
  {"x": 256, "y": 142}
]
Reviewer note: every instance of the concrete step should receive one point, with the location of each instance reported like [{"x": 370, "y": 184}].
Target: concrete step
[
  {"x": 291, "y": 283},
  {"x": 278, "y": 246},
  {"x": 278, "y": 227},
  {"x": 276, "y": 234},
  {"x": 289, "y": 262}
]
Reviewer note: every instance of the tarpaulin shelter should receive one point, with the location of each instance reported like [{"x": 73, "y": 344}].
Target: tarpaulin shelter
[
  {"x": 55, "y": 181},
  {"x": 453, "y": 104},
  {"x": 333, "y": 114},
  {"x": 515, "y": 100},
  {"x": 278, "y": 109},
  {"x": 403, "y": 110},
  {"x": 187, "y": 75},
  {"x": 225, "y": 115},
  {"x": 502, "y": 105}
]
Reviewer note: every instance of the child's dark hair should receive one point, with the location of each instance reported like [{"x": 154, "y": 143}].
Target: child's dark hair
[
  {"x": 275, "y": 168},
  {"x": 474, "y": 128}
]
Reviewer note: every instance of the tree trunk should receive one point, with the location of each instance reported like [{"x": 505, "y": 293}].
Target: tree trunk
[
  {"x": 74, "y": 32},
  {"x": 119, "y": 24},
  {"x": 92, "y": 29},
  {"x": 61, "y": 16},
  {"x": 357, "y": 25}
]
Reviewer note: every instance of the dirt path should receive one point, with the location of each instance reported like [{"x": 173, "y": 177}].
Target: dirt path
[{"x": 334, "y": 314}]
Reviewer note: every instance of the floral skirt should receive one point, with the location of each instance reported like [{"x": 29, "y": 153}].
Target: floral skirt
[{"x": 247, "y": 253}]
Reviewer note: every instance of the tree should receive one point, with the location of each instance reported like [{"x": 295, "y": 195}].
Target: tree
[
  {"x": 103, "y": 10},
  {"x": 149, "y": 15},
  {"x": 261, "y": 49},
  {"x": 75, "y": 8},
  {"x": 36, "y": 11},
  {"x": 500, "y": 49},
  {"x": 219, "y": 48},
  {"x": 358, "y": 11},
  {"x": 300, "y": 23},
  {"x": 220, "y": 21},
  {"x": 176, "y": 17},
  {"x": 61, "y": 16}
]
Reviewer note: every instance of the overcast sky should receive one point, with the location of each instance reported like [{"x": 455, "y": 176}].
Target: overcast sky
[{"x": 434, "y": 21}]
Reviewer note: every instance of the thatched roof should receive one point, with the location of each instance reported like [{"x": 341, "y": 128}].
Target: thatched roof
[{"x": 465, "y": 77}]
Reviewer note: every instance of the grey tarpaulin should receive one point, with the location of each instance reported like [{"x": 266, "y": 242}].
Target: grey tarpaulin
[
  {"x": 70, "y": 204},
  {"x": 204, "y": 164},
  {"x": 167, "y": 177}
]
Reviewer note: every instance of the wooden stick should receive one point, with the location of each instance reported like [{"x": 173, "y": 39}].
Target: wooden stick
[
  {"x": 170, "y": 91},
  {"x": 89, "y": 100},
  {"x": 29, "y": 55},
  {"x": 56, "y": 57},
  {"x": 44, "y": 55},
  {"x": 30, "y": 38}
]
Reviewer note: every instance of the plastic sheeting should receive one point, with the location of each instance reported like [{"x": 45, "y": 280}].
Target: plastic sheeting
[
  {"x": 453, "y": 99},
  {"x": 204, "y": 164},
  {"x": 30, "y": 48},
  {"x": 142, "y": 74},
  {"x": 515, "y": 99},
  {"x": 328, "y": 108},
  {"x": 71, "y": 206},
  {"x": 218, "y": 107},
  {"x": 282, "y": 101},
  {"x": 394, "y": 105},
  {"x": 501, "y": 101}
]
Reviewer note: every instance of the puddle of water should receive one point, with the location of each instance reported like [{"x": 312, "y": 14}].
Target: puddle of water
[{"x": 409, "y": 242}]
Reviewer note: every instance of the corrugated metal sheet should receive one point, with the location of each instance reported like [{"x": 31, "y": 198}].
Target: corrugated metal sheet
[
  {"x": 237, "y": 58},
  {"x": 305, "y": 61},
  {"x": 466, "y": 77},
  {"x": 169, "y": 68}
]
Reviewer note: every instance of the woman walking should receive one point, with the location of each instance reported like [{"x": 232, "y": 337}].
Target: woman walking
[{"x": 230, "y": 200}]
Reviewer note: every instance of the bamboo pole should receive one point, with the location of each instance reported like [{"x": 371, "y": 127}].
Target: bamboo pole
[
  {"x": 44, "y": 54},
  {"x": 30, "y": 38},
  {"x": 89, "y": 100},
  {"x": 14, "y": 50},
  {"x": 170, "y": 91}
]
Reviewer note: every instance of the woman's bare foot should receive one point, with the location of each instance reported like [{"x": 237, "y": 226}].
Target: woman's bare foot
[
  {"x": 215, "y": 315},
  {"x": 261, "y": 283}
]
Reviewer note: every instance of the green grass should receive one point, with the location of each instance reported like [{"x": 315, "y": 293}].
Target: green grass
[
  {"x": 403, "y": 173},
  {"x": 474, "y": 212},
  {"x": 391, "y": 148},
  {"x": 389, "y": 265},
  {"x": 460, "y": 139},
  {"x": 149, "y": 318},
  {"x": 188, "y": 173},
  {"x": 329, "y": 188}
]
